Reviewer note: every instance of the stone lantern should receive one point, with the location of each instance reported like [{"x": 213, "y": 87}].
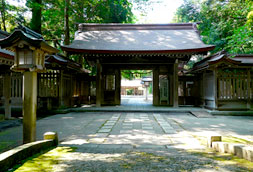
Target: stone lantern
[
  {"x": 146, "y": 82},
  {"x": 30, "y": 49}
]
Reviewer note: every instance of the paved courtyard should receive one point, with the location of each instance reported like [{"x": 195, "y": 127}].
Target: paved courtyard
[{"x": 117, "y": 141}]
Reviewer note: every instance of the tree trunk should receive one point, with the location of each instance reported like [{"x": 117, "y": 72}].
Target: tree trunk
[
  {"x": 3, "y": 15},
  {"x": 66, "y": 23},
  {"x": 36, "y": 15}
]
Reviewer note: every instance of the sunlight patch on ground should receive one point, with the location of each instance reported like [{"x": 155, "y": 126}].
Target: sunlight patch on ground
[
  {"x": 75, "y": 142},
  {"x": 45, "y": 162}
]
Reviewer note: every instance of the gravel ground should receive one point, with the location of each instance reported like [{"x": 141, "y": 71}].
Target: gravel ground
[{"x": 114, "y": 160}]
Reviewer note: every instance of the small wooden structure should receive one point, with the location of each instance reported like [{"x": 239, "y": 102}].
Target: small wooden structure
[
  {"x": 157, "y": 47},
  {"x": 134, "y": 85},
  {"x": 225, "y": 82},
  {"x": 6, "y": 61},
  {"x": 64, "y": 84}
]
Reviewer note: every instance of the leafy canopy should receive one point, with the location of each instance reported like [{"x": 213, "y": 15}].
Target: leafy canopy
[{"x": 226, "y": 24}]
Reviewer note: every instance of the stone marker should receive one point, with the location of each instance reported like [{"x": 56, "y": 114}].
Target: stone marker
[
  {"x": 211, "y": 139},
  {"x": 51, "y": 136}
]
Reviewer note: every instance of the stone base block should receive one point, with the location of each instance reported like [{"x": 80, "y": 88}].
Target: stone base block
[
  {"x": 220, "y": 146},
  {"x": 51, "y": 136},
  {"x": 248, "y": 153},
  {"x": 211, "y": 139},
  {"x": 239, "y": 150}
]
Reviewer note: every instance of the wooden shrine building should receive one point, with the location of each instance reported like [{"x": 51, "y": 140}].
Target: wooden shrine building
[
  {"x": 161, "y": 48},
  {"x": 62, "y": 83},
  {"x": 225, "y": 82}
]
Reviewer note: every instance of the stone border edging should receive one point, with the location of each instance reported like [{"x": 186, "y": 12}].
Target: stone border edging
[
  {"x": 239, "y": 150},
  {"x": 9, "y": 158}
]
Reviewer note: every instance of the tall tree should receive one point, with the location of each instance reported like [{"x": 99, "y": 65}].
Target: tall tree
[
  {"x": 36, "y": 6},
  {"x": 3, "y": 14},
  {"x": 79, "y": 11},
  {"x": 66, "y": 23}
]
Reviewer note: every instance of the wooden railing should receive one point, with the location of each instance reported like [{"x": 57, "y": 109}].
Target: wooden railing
[
  {"x": 48, "y": 84},
  {"x": 234, "y": 86}
]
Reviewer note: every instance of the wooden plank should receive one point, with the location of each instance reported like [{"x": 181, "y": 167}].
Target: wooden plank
[
  {"x": 98, "y": 85},
  {"x": 227, "y": 88},
  {"x": 215, "y": 88},
  {"x": 175, "y": 85},
  {"x": 7, "y": 95},
  {"x": 239, "y": 88},
  {"x": 234, "y": 90},
  {"x": 248, "y": 89},
  {"x": 156, "y": 86}
]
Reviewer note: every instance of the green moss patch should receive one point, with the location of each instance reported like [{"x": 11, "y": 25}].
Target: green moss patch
[
  {"x": 44, "y": 162},
  {"x": 231, "y": 139},
  {"x": 225, "y": 158}
]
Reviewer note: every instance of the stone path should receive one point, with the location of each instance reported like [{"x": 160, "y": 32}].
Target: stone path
[
  {"x": 116, "y": 141},
  {"x": 138, "y": 131},
  {"x": 138, "y": 142}
]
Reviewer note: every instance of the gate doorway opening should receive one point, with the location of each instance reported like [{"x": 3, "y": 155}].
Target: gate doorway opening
[{"x": 136, "y": 88}]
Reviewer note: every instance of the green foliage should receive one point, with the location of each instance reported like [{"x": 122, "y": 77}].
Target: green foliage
[
  {"x": 96, "y": 11},
  {"x": 130, "y": 91},
  {"x": 135, "y": 74},
  {"x": 226, "y": 24},
  {"x": 36, "y": 7},
  {"x": 11, "y": 15}
]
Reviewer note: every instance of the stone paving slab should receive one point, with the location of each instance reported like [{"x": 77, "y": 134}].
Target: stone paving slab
[
  {"x": 104, "y": 131},
  {"x": 86, "y": 134}
]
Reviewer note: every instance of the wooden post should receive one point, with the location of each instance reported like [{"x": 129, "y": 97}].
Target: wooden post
[
  {"x": 203, "y": 86},
  {"x": 29, "y": 106},
  {"x": 185, "y": 91},
  {"x": 248, "y": 89},
  {"x": 98, "y": 84},
  {"x": 7, "y": 95},
  {"x": 61, "y": 90},
  {"x": 175, "y": 85},
  {"x": 215, "y": 91},
  {"x": 117, "y": 86},
  {"x": 156, "y": 87}
]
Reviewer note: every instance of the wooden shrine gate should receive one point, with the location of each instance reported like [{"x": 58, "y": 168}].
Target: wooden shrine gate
[{"x": 162, "y": 48}]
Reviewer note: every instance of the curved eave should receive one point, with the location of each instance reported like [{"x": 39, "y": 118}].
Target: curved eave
[
  {"x": 90, "y": 51},
  {"x": 209, "y": 64},
  {"x": 18, "y": 35},
  {"x": 228, "y": 60}
]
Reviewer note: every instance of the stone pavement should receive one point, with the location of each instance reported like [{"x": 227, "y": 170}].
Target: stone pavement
[
  {"x": 117, "y": 141},
  {"x": 139, "y": 141},
  {"x": 135, "y": 104},
  {"x": 131, "y": 130}
]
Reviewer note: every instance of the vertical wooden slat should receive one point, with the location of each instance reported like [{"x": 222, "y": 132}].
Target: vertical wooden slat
[
  {"x": 220, "y": 88},
  {"x": 215, "y": 88},
  {"x": 230, "y": 87},
  {"x": 156, "y": 86},
  {"x": 241, "y": 90},
  {"x": 248, "y": 89},
  {"x": 234, "y": 90}
]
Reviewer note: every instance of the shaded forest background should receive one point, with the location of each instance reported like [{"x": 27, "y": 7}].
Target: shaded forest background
[{"x": 228, "y": 24}]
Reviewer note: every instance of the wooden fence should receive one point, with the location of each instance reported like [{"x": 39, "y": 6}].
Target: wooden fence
[
  {"x": 234, "y": 85},
  {"x": 48, "y": 84}
]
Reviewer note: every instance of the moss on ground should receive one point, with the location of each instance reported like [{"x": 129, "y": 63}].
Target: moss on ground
[
  {"x": 43, "y": 162},
  {"x": 231, "y": 139},
  {"x": 225, "y": 158}
]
